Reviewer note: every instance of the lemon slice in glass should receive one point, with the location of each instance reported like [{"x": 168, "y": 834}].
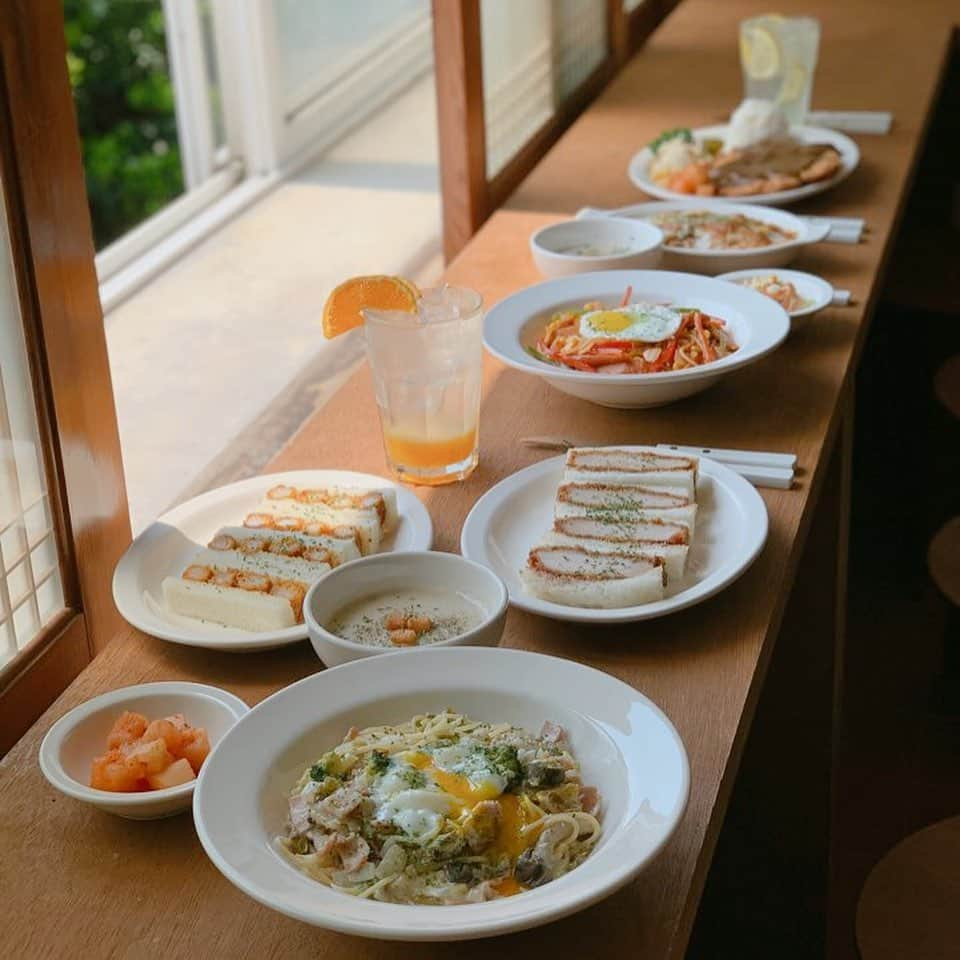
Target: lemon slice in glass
[
  {"x": 794, "y": 83},
  {"x": 760, "y": 53}
]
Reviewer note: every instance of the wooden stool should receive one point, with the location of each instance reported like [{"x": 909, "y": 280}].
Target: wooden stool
[
  {"x": 909, "y": 907},
  {"x": 946, "y": 385}
]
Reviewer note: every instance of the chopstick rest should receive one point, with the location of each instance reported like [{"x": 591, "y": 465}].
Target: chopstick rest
[
  {"x": 852, "y": 121},
  {"x": 841, "y": 298}
]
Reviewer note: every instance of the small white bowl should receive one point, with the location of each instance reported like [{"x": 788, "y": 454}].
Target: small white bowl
[
  {"x": 812, "y": 288},
  {"x": 407, "y": 571},
  {"x": 638, "y": 244},
  {"x": 79, "y": 736}
]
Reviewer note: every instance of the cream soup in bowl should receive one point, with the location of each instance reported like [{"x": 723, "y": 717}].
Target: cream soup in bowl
[{"x": 396, "y": 602}]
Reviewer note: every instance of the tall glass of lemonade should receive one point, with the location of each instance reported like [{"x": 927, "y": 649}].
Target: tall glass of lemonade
[{"x": 426, "y": 367}]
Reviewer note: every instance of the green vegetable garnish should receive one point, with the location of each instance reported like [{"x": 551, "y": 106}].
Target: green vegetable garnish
[
  {"x": 503, "y": 761},
  {"x": 318, "y": 772},
  {"x": 683, "y": 133},
  {"x": 379, "y": 762}
]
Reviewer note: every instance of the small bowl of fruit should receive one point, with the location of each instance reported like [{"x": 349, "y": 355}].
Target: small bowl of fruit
[{"x": 137, "y": 751}]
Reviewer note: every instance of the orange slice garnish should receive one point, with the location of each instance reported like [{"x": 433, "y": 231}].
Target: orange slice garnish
[{"x": 341, "y": 312}]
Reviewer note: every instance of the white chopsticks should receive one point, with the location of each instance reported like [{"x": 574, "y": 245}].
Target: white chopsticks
[
  {"x": 760, "y": 468},
  {"x": 852, "y": 121},
  {"x": 841, "y": 229}
]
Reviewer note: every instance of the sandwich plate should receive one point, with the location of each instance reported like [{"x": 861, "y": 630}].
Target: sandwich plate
[
  {"x": 731, "y": 529},
  {"x": 639, "y": 168},
  {"x": 167, "y": 546}
]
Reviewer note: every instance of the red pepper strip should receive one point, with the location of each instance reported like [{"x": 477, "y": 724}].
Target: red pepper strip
[
  {"x": 708, "y": 351},
  {"x": 578, "y": 365},
  {"x": 627, "y": 296},
  {"x": 607, "y": 344},
  {"x": 666, "y": 356}
]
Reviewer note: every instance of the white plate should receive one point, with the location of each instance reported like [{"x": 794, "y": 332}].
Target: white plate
[
  {"x": 625, "y": 745},
  {"x": 757, "y": 323},
  {"x": 167, "y": 546},
  {"x": 509, "y": 519},
  {"x": 815, "y": 289},
  {"x": 639, "y": 168},
  {"x": 713, "y": 262}
]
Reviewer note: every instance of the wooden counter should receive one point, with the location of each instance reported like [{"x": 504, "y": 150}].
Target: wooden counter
[{"x": 80, "y": 883}]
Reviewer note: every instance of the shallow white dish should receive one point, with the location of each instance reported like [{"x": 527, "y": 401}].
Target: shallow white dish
[
  {"x": 79, "y": 736},
  {"x": 812, "y": 288},
  {"x": 626, "y": 747},
  {"x": 757, "y": 323},
  {"x": 387, "y": 572},
  {"x": 511, "y": 517},
  {"x": 166, "y": 547},
  {"x": 639, "y": 167},
  {"x": 713, "y": 262},
  {"x": 640, "y": 242}
]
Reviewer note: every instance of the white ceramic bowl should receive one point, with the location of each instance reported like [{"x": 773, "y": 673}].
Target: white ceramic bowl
[
  {"x": 815, "y": 290},
  {"x": 713, "y": 262},
  {"x": 79, "y": 736},
  {"x": 389, "y": 572},
  {"x": 639, "y": 244},
  {"x": 625, "y": 745},
  {"x": 757, "y": 323}
]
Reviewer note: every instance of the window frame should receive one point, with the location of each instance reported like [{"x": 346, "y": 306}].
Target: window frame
[{"x": 52, "y": 245}]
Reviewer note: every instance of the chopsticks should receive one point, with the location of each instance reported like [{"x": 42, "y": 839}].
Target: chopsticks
[
  {"x": 842, "y": 229},
  {"x": 762, "y": 469}
]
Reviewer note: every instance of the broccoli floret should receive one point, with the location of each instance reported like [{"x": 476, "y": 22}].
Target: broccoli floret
[
  {"x": 682, "y": 133},
  {"x": 379, "y": 762},
  {"x": 503, "y": 761},
  {"x": 318, "y": 772}
]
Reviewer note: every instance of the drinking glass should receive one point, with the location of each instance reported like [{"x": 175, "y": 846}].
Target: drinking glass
[
  {"x": 778, "y": 56},
  {"x": 426, "y": 368}
]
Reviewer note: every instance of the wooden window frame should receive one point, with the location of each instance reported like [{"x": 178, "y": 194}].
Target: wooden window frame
[
  {"x": 469, "y": 197},
  {"x": 53, "y": 255}
]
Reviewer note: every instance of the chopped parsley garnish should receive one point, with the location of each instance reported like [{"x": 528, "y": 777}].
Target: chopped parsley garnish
[
  {"x": 379, "y": 762},
  {"x": 414, "y": 779},
  {"x": 504, "y": 762}
]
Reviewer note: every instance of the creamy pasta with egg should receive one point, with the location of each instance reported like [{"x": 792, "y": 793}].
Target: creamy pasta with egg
[{"x": 442, "y": 810}]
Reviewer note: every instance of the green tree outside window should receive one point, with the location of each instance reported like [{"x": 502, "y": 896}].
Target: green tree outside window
[{"x": 117, "y": 59}]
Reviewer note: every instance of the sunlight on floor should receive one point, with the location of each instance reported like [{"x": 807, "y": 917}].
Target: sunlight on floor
[{"x": 216, "y": 341}]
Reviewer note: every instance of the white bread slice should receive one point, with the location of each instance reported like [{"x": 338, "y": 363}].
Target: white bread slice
[
  {"x": 228, "y": 606},
  {"x": 686, "y": 516},
  {"x": 642, "y": 466},
  {"x": 271, "y": 564},
  {"x": 625, "y": 501},
  {"x": 342, "y": 549},
  {"x": 584, "y": 578},
  {"x": 648, "y": 539}
]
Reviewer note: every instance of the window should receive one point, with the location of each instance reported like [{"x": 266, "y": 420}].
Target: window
[{"x": 31, "y": 591}]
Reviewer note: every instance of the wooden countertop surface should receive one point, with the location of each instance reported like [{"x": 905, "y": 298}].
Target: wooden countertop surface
[{"x": 81, "y": 883}]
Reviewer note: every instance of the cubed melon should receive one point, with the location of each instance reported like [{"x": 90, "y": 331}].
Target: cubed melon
[
  {"x": 128, "y": 727},
  {"x": 195, "y": 747},
  {"x": 148, "y": 756},
  {"x": 168, "y": 731},
  {"x": 112, "y": 772},
  {"x": 178, "y": 772}
]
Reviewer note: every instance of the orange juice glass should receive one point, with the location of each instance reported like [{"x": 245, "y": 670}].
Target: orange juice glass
[{"x": 426, "y": 369}]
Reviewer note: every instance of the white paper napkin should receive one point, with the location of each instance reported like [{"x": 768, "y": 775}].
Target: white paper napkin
[{"x": 852, "y": 121}]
